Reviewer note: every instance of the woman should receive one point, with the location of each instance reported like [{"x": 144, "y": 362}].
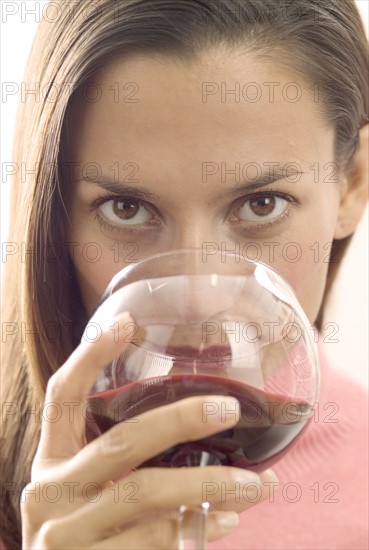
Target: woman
[{"x": 150, "y": 117}]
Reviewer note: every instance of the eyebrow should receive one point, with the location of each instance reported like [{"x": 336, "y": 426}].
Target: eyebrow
[
  {"x": 273, "y": 176},
  {"x": 140, "y": 193},
  {"x": 119, "y": 188}
]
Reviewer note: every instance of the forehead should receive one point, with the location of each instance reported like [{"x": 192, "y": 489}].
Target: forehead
[{"x": 221, "y": 107}]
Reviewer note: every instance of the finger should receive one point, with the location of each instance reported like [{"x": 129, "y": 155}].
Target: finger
[
  {"x": 129, "y": 444},
  {"x": 68, "y": 388},
  {"x": 164, "y": 533},
  {"x": 159, "y": 489}
]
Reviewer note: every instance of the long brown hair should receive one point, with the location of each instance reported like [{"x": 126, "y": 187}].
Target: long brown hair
[{"x": 43, "y": 313}]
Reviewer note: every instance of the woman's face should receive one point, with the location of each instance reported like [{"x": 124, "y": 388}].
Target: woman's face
[{"x": 225, "y": 152}]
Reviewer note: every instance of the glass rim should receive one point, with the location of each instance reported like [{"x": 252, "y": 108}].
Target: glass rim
[{"x": 128, "y": 269}]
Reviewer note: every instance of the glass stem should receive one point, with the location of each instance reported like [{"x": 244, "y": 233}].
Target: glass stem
[{"x": 192, "y": 527}]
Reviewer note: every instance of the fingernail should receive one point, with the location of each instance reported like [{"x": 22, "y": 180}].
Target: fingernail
[
  {"x": 124, "y": 317},
  {"x": 120, "y": 323},
  {"x": 220, "y": 409},
  {"x": 228, "y": 519},
  {"x": 245, "y": 476},
  {"x": 269, "y": 476}
]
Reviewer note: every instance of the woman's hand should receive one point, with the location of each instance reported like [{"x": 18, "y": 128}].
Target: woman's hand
[{"x": 72, "y": 501}]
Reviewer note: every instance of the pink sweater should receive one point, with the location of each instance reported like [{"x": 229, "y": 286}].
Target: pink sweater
[{"x": 322, "y": 500}]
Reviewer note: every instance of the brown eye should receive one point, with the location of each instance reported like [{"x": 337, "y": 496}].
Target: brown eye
[
  {"x": 263, "y": 206},
  {"x": 125, "y": 209}
]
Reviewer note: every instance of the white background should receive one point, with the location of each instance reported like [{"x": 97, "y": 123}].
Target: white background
[{"x": 348, "y": 306}]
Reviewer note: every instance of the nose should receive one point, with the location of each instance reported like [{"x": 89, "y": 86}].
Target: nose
[{"x": 195, "y": 230}]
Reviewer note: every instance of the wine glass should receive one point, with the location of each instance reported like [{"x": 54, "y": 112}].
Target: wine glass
[{"x": 210, "y": 323}]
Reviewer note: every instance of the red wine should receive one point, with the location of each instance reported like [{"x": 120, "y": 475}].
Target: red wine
[{"x": 268, "y": 423}]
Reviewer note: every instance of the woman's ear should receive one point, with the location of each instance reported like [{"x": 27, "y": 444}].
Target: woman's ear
[{"x": 354, "y": 195}]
